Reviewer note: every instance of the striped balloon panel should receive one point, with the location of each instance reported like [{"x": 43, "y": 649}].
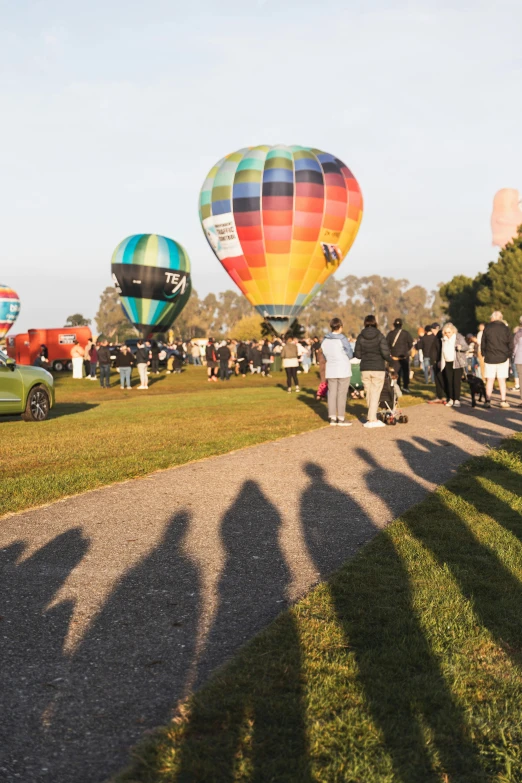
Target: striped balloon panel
[
  {"x": 151, "y": 263},
  {"x": 9, "y": 309},
  {"x": 280, "y": 219}
]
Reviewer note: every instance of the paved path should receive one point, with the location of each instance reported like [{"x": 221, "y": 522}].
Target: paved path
[{"x": 117, "y": 602}]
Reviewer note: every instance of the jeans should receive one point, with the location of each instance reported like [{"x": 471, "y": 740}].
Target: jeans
[
  {"x": 142, "y": 369},
  {"x": 105, "y": 375},
  {"x": 337, "y": 394},
  {"x": 291, "y": 375},
  {"x": 475, "y": 367},
  {"x": 373, "y": 381},
  {"x": 453, "y": 379},
  {"x": 402, "y": 368},
  {"x": 125, "y": 376},
  {"x": 426, "y": 366},
  {"x": 196, "y": 360},
  {"x": 223, "y": 371},
  {"x": 306, "y": 362},
  {"x": 93, "y": 369}
]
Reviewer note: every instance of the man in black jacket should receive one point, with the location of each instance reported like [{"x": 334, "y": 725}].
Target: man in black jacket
[
  {"x": 425, "y": 344},
  {"x": 435, "y": 356},
  {"x": 496, "y": 348},
  {"x": 223, "y": 354},
  {"x": 400, "y": 343},
  {"x": 142, "y": 360},
  {"x": 104, "y": 362}
]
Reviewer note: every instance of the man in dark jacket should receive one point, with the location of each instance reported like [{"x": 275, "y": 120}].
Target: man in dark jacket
[
  {"x": 400, "y": 343},
  {"x": 223, "y": 354},
  {"x": 435, "y": 357},
  {"x": 496, "y": 348},
  {"x": 242, "y": 358},
  {"x": 372, "y": 349},
  {"x": 104, "y": 361}
]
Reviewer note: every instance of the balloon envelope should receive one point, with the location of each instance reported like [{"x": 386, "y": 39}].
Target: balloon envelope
[
  {"x": 506, "y": 216},
  {"x": 280, "y": 220},
  {"x": 9, "y": 309},
  {"x": 152, "y": 276}
]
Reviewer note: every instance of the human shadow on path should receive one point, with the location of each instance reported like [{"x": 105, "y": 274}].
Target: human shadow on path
[
  {"x": 404, "y": 687},
  {"x": 33, "y": 664},
  {"x": 334, "y": 525},
  {"x": 252, "y": 591},
  {"x": 130, "y": 668}
]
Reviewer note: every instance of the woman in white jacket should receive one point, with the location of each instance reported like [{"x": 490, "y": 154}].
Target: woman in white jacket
[
  {"x": 337, "y": 352},
  {"x": 453, "y": 362}
]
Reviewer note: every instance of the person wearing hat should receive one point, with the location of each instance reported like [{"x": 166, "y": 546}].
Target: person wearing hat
[{"x": 400, "y": 343}]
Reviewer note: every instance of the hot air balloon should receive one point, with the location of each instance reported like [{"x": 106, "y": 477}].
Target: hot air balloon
[
  {"x": 506, "y": 216},
  {"x": 152, "y": 276},
  {"x": 9, "y": 309},
  {"x": 280, "y": 220}
]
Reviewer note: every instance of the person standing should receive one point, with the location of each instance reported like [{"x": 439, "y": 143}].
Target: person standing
[
  {"x": 517, "y": 355},
  {"x": 496, "y": 348},
  {"x": 242, "y": 358},
  {"x": 93, "y": 356},
  {"x": 196, "y": 355},
  {"x": 142, "y": 360},
  {"x": 124, "y": 363},
  {"x": 266, "y": 358},
  {"x": 337, "y": 352},
  {"x": 435, "y": 358},
  {"x": 104, "y": 361},
  {"x": 211, "y": 360},
  {"x": 400, "y": 343},
  {"x": 179, "y": 357},
  {"x": 480, "y": 355},
  {"x": 453, "y": 362},
  {"x": 154, "y": 357},
  {"x": 425, "y": 344},
  {"x": 372, "y": 349},
  {"x": 77, "y": 356},
  {"x": 223, "y": 354},
  {"x": 87, "y": 358},
  {"x": 306, "y": 356},
  {"x": 254, "y": 356},
  {"x": 290, "y": 363}
]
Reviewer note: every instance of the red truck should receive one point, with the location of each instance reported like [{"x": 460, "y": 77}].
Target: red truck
[{"x": 24, "y": 348}]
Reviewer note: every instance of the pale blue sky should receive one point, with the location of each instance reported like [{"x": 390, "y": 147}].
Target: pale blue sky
[{"x": 113, "y": 112}]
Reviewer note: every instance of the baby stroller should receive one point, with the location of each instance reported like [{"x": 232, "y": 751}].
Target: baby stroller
[{"x": 389, "y": 412}]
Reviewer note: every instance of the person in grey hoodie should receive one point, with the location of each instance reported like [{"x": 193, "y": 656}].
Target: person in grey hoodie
[
  {"x": 373, "y": 351},
  {"x": 337, "y": 351}
]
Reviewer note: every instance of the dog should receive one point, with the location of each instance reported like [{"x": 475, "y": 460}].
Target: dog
[{"x": 477, "y": 389}]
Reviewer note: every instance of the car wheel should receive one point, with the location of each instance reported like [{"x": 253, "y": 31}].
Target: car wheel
[
  {"x": 58, "y": 366},
  {"x": 38, "y": 405},
  {"x": 69, "y": 366}
]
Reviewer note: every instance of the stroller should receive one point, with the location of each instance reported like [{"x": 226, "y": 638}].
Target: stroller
[
  {"x": 356, "y": 384},
  {"x": 389, "y": 412}
]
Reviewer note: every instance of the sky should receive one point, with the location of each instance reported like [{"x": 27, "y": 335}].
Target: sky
[{"x": 112, "y": 112}]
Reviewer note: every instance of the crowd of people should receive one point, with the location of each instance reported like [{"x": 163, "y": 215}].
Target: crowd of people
[{"x": 443, "y": 353}]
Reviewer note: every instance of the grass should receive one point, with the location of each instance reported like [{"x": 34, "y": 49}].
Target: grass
[
  {"x": 99, "y": 436},
  {"x": 405, "y": 667}
]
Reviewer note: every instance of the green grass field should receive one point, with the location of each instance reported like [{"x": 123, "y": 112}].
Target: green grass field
[
  {"x": 98, "y": 436},
  {"x": 406, "y": 667}
]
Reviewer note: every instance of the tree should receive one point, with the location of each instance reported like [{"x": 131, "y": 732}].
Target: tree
[
  {"x": 77, "y": 320},
  {"x": 111, "y": 321},
  {"x": 501, "y": 287},
  {"x": 460, "y": 297},
  {"x": 247, "y": 328}
]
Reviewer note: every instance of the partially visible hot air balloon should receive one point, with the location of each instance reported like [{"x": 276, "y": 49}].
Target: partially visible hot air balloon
[
  {"x": 9, "y": 309},
  {"x": 506, "y": 216},
  {"x": 280, "y": 220},
  {"x": 152, "y": 276}
]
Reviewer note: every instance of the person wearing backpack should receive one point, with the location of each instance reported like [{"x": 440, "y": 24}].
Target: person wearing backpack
[
  {"x": 372, "y": 349},
  {"x": 400, "y": 343}
]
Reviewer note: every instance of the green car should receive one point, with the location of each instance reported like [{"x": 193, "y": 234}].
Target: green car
[{"x": 25, "y": 390}]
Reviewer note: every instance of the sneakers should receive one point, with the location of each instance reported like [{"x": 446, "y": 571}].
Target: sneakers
[
  {"x": 344, "y": 423},
  {"x": 371, "y": 424},
  {"x": 297, "y": 388},
  {"x": 333, "y": 423},
  {"x": 505, "y": 404},
  {"x": 456, "y": 403},
  {"x": 142, "y": 387},
  {"x": 289, "y": 390},
  {"x": 487, "y": 404},
  {"x": 449, "y": 404}
]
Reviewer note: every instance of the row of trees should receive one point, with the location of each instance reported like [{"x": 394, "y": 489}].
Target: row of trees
[
  {"x": 229, "y": 313},
  {"x": 470, "y": 301},
  {"x": 464, "y": 300}
]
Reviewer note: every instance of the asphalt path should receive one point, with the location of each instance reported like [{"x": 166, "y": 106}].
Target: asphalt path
[{"x": 116, "y": 603}]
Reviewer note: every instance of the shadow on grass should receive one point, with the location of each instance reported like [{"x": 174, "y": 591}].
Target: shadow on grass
[{"x": 62, "y": 409}]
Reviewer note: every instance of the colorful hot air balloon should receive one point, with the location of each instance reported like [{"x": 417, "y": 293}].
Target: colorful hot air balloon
[
  {"x": 9, "y": 309},
  {"x": 280, "y": 220},
  {"x": 152, "y": 276}
]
